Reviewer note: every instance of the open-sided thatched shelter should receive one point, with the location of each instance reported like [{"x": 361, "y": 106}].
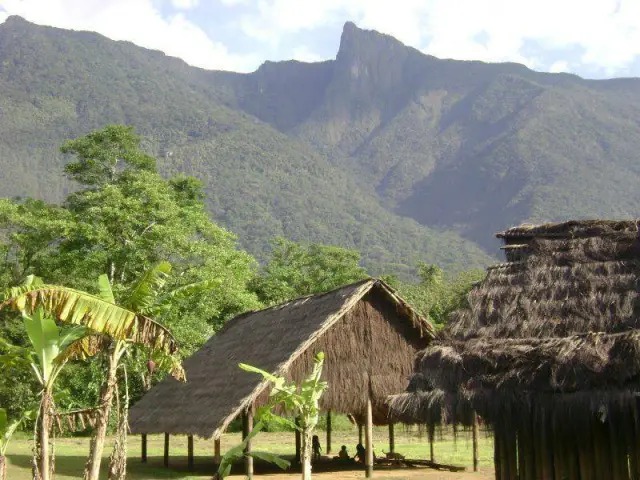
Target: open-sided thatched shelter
[
  {"x": 548, "y": 353},
  {"x": 369, "y": 335}
]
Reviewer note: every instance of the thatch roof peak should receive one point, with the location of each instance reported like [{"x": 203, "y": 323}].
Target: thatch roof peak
[
  {"x": 570, "y": 229},
  {"x": 281, "y": 339}
]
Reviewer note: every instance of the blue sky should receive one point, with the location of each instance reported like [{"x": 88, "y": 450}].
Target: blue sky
[{"x": 592, "y": 38}]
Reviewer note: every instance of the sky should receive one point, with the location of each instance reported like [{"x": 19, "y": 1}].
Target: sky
[{"x": 592, "y": 38}]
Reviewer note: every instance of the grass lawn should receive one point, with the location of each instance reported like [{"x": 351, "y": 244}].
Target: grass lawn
[{"x": 71, "y": 454}]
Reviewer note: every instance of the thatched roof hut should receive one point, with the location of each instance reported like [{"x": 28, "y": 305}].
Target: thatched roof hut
[
  {"x": 548, "y": 353},
  {"x": 369, "y": 335}
]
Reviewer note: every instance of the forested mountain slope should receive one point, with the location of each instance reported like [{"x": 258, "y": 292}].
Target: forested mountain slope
[
  {"x": 399, "y": 154},
  {"x": 260, "y": 182}
]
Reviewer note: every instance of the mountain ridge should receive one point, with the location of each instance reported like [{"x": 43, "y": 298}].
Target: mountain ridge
[{"x": 400, "y": 154}]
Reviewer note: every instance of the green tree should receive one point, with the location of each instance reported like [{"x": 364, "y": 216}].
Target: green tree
[
  {"x": 435, "y": 295},
  {"x": 297, "y": 269}
]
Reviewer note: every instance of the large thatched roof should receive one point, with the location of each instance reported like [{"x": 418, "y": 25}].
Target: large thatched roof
[
  {"x": 368, "y": 333},
  {"x": 561, "y": 320}
]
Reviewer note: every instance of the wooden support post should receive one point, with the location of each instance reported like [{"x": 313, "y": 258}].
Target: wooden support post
[
  {"x": 474, "y": 438},
  {"x": 369, "y": 440},
  {"x": 298, "y": 441},
  {"x": 328, "y": 451},
  {"x": 431, "y": 434},
  {"x": 166, "y": 450},
  {"x": 360, "y": 436},
  {"x": 247, "y": 426},
  {"x": 216, "y": 450},
  {"x": 392, "y": 439},
  {"x": 143, "y": 448},
  {"x": 190, "y": 452}
]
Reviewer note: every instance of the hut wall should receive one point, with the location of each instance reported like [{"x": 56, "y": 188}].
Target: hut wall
[{"x": 371, "y": 349}]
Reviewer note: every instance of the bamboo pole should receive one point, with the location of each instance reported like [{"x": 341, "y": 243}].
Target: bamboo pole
[
  {"x": 369, "y": 440},
  {"x": 247, "y": 426},
  {"x": 143, "y": 448},
  {"x": 328, "y": 451},
  {"x": 392, "y": 439},
  {"x": 190, "y": 452},
  {"x": 166, "y": 450},
  {"x": 474, "y": 438}
]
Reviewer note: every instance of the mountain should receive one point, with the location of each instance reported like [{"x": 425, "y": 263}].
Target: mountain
[
  {"x": 466, "y": 146},
  {"x": 259, "y": 182},
  {"x": 402, "y": 155}
]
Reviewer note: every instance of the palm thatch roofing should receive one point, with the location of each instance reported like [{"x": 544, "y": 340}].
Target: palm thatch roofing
[
  {"x": 547, "y": 352},
  {"x": 369, "y": 335}
]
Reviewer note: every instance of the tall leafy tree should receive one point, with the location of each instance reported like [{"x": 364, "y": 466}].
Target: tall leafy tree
[
  {"x": 297, "y": 269},
  {"x": 435, "y": 295}
]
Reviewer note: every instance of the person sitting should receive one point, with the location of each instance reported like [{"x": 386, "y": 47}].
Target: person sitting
[
  {"x": 315, "y": 445},
  {"x": 361, "y": 453},
  {"x": 343, "y": 454}
]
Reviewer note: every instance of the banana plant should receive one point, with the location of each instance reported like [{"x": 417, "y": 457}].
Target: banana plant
[
  {"x": 300, "y": 401},
  {"x": 6, "y": 432},
  {"x": 114, "y": 328},
  {"x": 45, "y": 356}
]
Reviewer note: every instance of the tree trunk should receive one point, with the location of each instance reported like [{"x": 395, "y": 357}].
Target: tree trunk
[
  {"x": 3, "y": 467},
  {"x": 42, "y": 454},
  {"x": 305, "y": 454},
  {"x": 96, "y": 447}
]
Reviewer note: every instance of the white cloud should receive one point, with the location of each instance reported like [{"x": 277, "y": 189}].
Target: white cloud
[
  {"x": 559, "y": 66},
  {"x": 594, "y": 35},
  {"x": 138, "y": 21},
  {"x": 304, "y": 54},
  {"x": 185, "y": 4}
]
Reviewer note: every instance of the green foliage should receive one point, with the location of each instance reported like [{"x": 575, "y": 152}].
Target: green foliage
[
  {"x": 435, "y": 296},
  {"x": 7, "y": 429},
  {"x": 296, "y": 270},
  {"x": 100, "y": 153},
  {"x": 300, "y": 401}
]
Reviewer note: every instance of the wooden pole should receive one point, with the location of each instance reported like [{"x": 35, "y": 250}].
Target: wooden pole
[
  {"x": 369, "y": 440},
  {"x": 247, "y": 426},
  {"x": 143, "y": 455},
  {"x": 360, "y": 435},
  {"x": 497, "y": 459},
  {"x": 190, "y": 452},
  {"x": 392, "y": 439},
  {"x": 431, "y": 434},
  {"x": 166, "y": 450},
  {"x": 474, "y": 438},
  {"x": 328, "y": 451},
  {"x": 216, "y": 450},
  {"x": 298, "y": 441}
]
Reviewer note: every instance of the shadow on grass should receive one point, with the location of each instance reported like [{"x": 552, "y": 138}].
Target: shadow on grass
[{"x": 73, "y": 466}]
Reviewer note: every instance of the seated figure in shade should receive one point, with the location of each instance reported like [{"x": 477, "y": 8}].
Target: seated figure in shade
[
  {"x": 361, "y": 453},
  {"x": 343, "y": 454},
  {"x": 315, "y": 446}
]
